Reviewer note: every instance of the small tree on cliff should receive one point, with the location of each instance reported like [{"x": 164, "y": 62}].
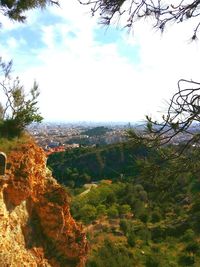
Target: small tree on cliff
[{"x": 19, "y": 109}]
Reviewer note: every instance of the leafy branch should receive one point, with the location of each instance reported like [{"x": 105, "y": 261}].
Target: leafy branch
[{"x": 19, "y": 109}]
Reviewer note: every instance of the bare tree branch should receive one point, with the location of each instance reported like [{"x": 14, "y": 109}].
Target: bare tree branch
[
  {"x": 183, "y": 110},
  {"x": 160, "y": 11}
]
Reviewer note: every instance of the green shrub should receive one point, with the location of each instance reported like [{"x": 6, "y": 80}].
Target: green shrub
[
  {"x": 186, "y": 260},
  {"x": 155, "y": 216},
  {"x": 152, "y": 261},
  {"x": 144, "y": 235},
  {"x": 9, "y": 128},
  {"x": 155, "y": 248},
  {"x": 124, "y": 209},
  {"x": 144, "y": 217},
  {"x": 188, "y": 235},
  {"x": 113, "y": 212},
  {"x": 111, "y": 198},
  {"x": 125, "y": 225},
  {"x": 101, "y": 210},
  {"x": 111, "y": 255},
  {"x": 192, "y": 247},
  {"x": 158, "y": 234},
  {"x": 88, "y": 213},
  {"x": 131, "y": 238}
]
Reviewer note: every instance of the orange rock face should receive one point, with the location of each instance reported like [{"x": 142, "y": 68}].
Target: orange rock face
[{"x": 46, "y": 232}]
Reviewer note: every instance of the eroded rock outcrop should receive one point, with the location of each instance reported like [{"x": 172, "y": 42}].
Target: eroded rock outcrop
[{"x": 36, "y": 228}]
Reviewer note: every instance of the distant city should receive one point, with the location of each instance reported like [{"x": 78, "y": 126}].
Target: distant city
[{"x": 61, "y": 136}]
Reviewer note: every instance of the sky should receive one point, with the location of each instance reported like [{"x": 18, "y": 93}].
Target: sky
[{"x": 87, "y": 72}]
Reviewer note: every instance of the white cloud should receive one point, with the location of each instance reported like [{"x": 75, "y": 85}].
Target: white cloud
[
  {"x": 12, "y": 43},
  {"x": 84, "y": 80},
  {"x": 48, "y": 36}
]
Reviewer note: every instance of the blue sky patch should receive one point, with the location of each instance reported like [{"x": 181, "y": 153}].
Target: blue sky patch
[
  {"x": 113, "y": 35},
  {"x": 107, "y": 35},
  {"x": 131, "y": 52},
  {"x": 31, "y": 36},
  {"x": 48, "y": 19}
]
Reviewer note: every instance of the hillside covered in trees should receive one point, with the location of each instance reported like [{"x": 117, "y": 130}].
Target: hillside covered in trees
[
  {"x": 147, "y": 216},
  {"x": 82, "y": 165},
  {"x": 139, "y": 206}
]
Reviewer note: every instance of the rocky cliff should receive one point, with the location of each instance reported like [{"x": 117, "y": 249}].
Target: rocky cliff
[{"x": 36, "y": 228}]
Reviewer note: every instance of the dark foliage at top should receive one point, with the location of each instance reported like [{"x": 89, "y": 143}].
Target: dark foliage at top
[
  {"x": 14, "y": 9},
  {"x": 161, "y": 12}
]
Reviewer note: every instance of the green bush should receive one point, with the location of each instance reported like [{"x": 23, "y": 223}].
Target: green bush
[
  {"x": 155, "y": 216},
  {"x": 131, "y": 238},
  {"x": 88, "y": 213},
  {"x": 158, "y": 234},
  {"x": 152, "y": 261},
  {"x": 144, "y": 235},
  {"x": 101, "y": 210},
  {"x": 113, "y": 212},
  {"x": 188, "y": 235},
  {"x": 9, "y": 128},
  {"x": 192, "y": 247},
  {"x": 186, "y": 260},
  {"x": 144, "y": 217},
  {"x": 111, "y": 255},
  {"x": 155, "y": 248},
  {"x": 111, "y": 198},
  {"x": 125, "y": 225},
  {"x": 124, "y": 209}
]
